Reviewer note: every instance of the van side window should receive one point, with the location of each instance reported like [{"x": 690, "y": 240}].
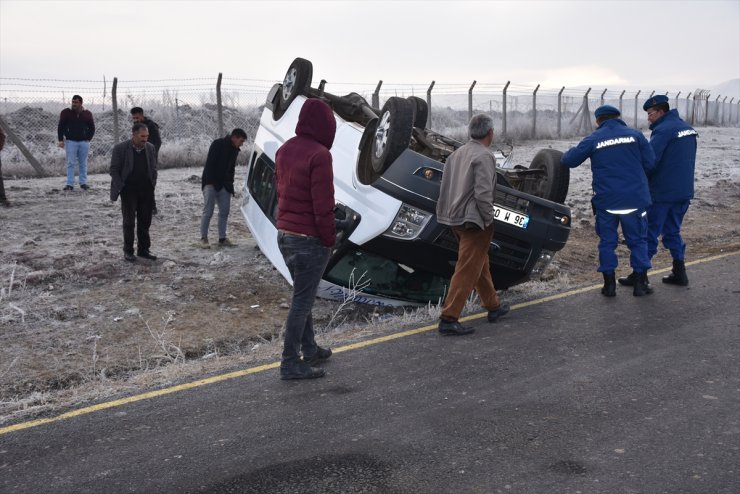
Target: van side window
[{"x": 262, "y": 186}]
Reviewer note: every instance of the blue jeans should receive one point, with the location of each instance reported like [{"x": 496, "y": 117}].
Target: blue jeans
[
  {"x": 76, "y": 152},
  {"x": 634, "y": 228},
  {"x": 210, "y": 197},
  {"x": 664, "y": 219},
  {"x": 306, "y": 259}
]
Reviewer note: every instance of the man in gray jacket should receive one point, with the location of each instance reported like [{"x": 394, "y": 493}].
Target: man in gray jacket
[
  {"x": 133, "y": 171},
  {"x": 466, "y": 205}
]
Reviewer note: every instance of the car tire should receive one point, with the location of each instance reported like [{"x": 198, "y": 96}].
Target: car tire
[
  {"x": 392, "y": 134},
  {"x": 421, "y": 111},
  {"x": 554, "y": 185},
  {"x": 296, "y": 81}
]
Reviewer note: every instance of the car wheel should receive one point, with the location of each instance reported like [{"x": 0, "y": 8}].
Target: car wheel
[
  {"x": 553, "y": 185},
  {"x": 393, "y": 133},
  {"x": 421, "y": 111},
  {"x": 296, "y": 81}
]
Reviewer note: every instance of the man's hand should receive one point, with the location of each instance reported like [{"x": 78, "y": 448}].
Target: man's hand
[{"x": 61, "y": 144}]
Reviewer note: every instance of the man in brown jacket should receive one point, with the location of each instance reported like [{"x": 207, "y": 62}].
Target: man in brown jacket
[{"x": 466, "y": 205}]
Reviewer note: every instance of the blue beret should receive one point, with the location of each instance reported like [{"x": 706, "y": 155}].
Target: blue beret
[
  {"x": 606, "y": 110},
  {"x": 655, "y": 100}
]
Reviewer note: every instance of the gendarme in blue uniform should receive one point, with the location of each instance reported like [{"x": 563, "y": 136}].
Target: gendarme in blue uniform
[
  {"x": 620, "y": 158},
  {"x": 671, "y": 182}
]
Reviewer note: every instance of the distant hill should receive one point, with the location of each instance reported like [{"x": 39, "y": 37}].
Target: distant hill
[{"x": 730, "y": 88}]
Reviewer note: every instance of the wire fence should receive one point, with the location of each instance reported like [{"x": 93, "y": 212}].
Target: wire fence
[{"x": 192, "y": 112}]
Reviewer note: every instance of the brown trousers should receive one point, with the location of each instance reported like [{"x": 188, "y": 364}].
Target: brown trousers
[{"x": 471, "y": 271}]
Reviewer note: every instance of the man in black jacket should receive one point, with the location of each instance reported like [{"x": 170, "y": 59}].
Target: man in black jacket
[
  {"x": 75, "y": 131},
  {"x": 218, "y": 184},
  {"x": 133, "y": 171},
  {"x": 137, "y": 115}
]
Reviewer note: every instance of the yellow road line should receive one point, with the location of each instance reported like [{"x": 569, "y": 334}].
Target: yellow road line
[{"x": 275, "y": 365}]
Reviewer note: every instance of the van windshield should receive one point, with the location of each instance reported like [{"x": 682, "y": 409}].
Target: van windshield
[{"x": 376, "y": 275}]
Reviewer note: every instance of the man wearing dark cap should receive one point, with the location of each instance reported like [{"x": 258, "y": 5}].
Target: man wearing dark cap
[
  {"x": 671, "y": 184},
  {"x": 620, "y": 158}
]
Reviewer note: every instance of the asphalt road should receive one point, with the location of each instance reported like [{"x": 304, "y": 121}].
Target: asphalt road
[{"x": 577, "y": 394}]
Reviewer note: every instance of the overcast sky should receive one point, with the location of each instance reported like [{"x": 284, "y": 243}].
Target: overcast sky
[{"x": 553, "y": 43}]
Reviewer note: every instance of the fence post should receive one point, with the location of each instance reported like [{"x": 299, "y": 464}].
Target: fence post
[
  {"x": 602, "y": 96},
  {"x": 620, "y": 100},
  {"x": 560, "y": 109},
  {"x": 679, "y": 94},
  {"x": 470, "y": 101},
  {"x": 651, "y": 94},
  {"x": 722, "y": 121},
  {"x": 22, "y": 148},
  {"x": 689, "y": 112},
  {"x": 429, "y": 105},
  {"x": 503, "y": 109},
  {"x": 636, "y": 96},
  {"x": 114, "y": 95},
  {"x": 534, "y": 112},
  {"x": 729, "y": 118},
  {"x": 219, "y": 106},
  {"x": 376, "y": 95}
]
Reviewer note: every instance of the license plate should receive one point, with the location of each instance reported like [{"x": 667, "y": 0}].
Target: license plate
[{"x": 510, "y": 217}]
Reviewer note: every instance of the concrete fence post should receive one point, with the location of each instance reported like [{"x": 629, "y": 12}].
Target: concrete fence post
[
  {"x": 429, "y": 104},
  {"x": 376, "y": 95},
  {"x": 620, "y": 99},
  {"x": 689, "y": 111},
  {"x": 114, "y": 106},
  {"x": 22, "y": 148},
  {"x": 560, "y": 109},
  {"x": 534, "y": 111},
  {"x": 470, "y": 101},
  {"x": 503, "y": 109},
  {"x": 636, "y": 96},
  {"x": 676, "y": 104},
  {"x": 602, "y": 96},
  {"x": 219, "y": 106}
]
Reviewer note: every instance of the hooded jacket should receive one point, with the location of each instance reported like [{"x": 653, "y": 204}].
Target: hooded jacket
[
  {"x": 620, "y": 159},
  {"x": 220, "y": 165},
  {"x": 305, "y": 180},
  {"x": 468, "y": 186},
  {"x": 674, "y": 143}
]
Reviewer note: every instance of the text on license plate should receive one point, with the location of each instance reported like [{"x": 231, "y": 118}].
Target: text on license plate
[{"x": 510, "y": 217}]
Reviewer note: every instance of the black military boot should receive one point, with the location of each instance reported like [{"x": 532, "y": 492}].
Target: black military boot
[
  {"x": 642, "y": 287},
  {"x": 610, "y": 285},
  {"x": 678, "y": 274},
  {"x": 627, "y": 280}
]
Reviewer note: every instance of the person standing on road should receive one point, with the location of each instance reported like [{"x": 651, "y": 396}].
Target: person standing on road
[
  {"x": 217, "y": 183},
  {"x": 133, "y": 171},
  {"x": 306, "y": 230},
  {"x": 620, "y": 159},
  {"x": 137, "y": 115},
  {"x": 3, "y": 199},
  {"x": 465, "y": 204},
  {"x": 75, "y": 131},
  {"x": 671, "y": 184}
]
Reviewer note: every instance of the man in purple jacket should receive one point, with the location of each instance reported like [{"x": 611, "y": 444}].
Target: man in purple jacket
[
  {"x": 75, "y": 131},
  {"x": 306, "y": 230}
]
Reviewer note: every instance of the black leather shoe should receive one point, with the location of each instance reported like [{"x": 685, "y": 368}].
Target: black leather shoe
[
  {"x": 627, "y": 280},
  {"x": 129, "y": 257},
  {"x": 84, "y": 187},
  {"x": 298, "y": 369},
  {"x": 610, "y": 285},
  {"x": 502, "y": 310},
  {"x": 321, "y": 355},
  {"x": 678, "y": 275},
  {"x": 68, "y": 187},
  {"x": 147, "y": 255},
  {"x": 642, "y": 287},
  {"x": 453, "y": 328}
]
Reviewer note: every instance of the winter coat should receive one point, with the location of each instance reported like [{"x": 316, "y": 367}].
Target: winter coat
[
  {"x": 468, "y": 186},
  {"x": 220, "y": 165},
  {"x": 122, "y": 164},
  {"x": 674, "y": 143},
  {"x": 305, "y": 179},
  {"x": 75, "y": 126},
  {"x": 620, "y": 159},
  {"x": 154, "y": 136}
]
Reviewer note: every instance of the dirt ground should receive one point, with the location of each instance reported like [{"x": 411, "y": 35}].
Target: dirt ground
[{"x": 79, "y": 324}]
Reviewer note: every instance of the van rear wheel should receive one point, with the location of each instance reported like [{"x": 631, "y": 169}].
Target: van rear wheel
[
  {"x": 553, "y": 185},
  {"x": 296, "y": 81},
  {"x": 392, "y": 134}
]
